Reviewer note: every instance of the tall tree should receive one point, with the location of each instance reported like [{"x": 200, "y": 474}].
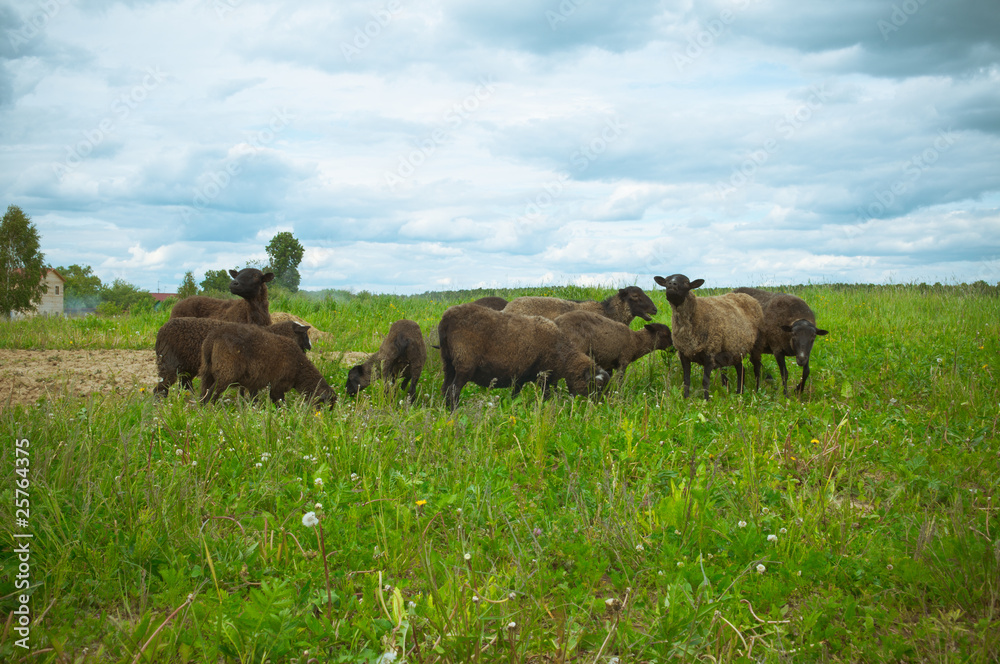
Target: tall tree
[
  {"x": 285, "y": 254},
  {"x": 83, "y": 287},
  {"x": 21, "y": 264},
  {"x": 188, "y": 286},
  {"x": 216, "y": 281}
]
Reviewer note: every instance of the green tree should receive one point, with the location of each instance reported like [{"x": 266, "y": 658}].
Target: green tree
[
  {"x": 121, "y": 296},
  {"x": 21, "y": 287},
  {"x": 83, "y": 287},
  {"x": 188, "y": 286},
  {"x": 285, "y": 254},
  {"x": 216, "y": 281}
]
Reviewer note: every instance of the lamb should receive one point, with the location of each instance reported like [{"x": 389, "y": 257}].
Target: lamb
[
  {"x": 497, "y": 348},
  {"x": 789, "y": 328},
  {"x": 402, "y": 353},
  {"x": 249, "y": 283},
  {"x": 611, "y": 344},
  {"x": 623, "y": 306},
  {"x": 254, "y": 359},
  {"x": 712, "y": 331},
  {"x": 492, "y": 302},
  {"x": 178, "y": 347}
]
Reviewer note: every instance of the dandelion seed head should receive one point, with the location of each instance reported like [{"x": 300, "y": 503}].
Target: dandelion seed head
[
  {"x": 309, "y": 519},
  {"x": 761, "y": 569}
]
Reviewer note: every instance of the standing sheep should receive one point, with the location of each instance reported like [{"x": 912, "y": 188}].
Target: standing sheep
[
  {"x": 402, "y": 353},
  {"x": 712, "y": 331},
  {"x": 495, "y": 348},
  {"x": 611, "y": 344},
  {"x": 249, "y": 283},
  {"x": 789, "y": 328},
  {"x": 254, "y": 359},
  {"x": 623, "y": 306},
  {"x": 178, "y": 347}
]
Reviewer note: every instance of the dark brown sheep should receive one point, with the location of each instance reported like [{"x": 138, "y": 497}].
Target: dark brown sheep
[
  {"x": 254, "y": 359},
  {"x": 492, "y": 302},
  {"x": 611, "y": 344},
  {"x": 402, "y": 353},
  {"x": 498, "y": 349},
  {"x": 789, "y": 329},
  {"x": 623, "y": 306},
  {"x": 712, "y": 331},
  {"x": 249, "y": 283},
  {"x": 178, "y": 347}
]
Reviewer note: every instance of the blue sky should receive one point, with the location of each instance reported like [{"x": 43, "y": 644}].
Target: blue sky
[{"x": 416, "y": 145}]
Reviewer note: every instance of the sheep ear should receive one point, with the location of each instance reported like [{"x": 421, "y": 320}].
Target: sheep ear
[
  {"x": 820, "y": 332},
  {"x": 697, "y": 283},
  {"x": 268, "y": 277},
  {"x": 300, "y": 325},
  {"x": 786, "y": 328},
  {"x": 660, "y": 280},
  {"x": 233, "y": 273}
]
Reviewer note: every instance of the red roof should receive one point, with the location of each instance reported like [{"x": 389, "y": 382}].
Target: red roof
[{"x": 160, "y": 297}]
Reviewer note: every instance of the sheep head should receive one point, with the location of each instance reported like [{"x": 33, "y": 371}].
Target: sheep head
[
  {"x": 677, "y": 287},
  {"x": 248, "y": 282},
  {"x": 803, "y": 333},
  {"x": 662, "y": 339},
  {"x": 358, "y": 378},
  {"x": 638, "y": 302}
]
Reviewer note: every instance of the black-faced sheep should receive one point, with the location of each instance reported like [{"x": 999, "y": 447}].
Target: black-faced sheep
[
  {"x": 611, "y": 344},
  {"x": 402, "y": 353},
  {"x": 179, "y": 341},
  {"x": 789, "y": 328},
  {"x": 254, "y": 359},
  {"x": 498, "y": 349},
  {"x": 249, "y": 283},
  {"x": 712, "y": 331},
  {"x": 623, "y": 306},
  {"x": 492, "y": 302}
]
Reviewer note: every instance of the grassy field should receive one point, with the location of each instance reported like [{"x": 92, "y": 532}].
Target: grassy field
[{"x": 856, "y": 523}]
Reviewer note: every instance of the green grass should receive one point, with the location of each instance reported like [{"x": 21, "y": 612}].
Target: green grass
[{"x": 630, "y": 527}]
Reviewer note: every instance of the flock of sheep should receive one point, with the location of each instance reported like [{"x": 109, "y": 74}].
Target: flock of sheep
[{"x": 490, "y": 342}]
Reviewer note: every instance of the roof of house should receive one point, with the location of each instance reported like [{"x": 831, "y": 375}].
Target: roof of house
[
  {"x": 160, "y": 297},
  {"x": 46, "y": 270}
]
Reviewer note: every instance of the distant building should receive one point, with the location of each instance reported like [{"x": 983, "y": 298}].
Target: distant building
[
  {"x": 53, "y": 300},
  {"x": 160, "y": 297}
]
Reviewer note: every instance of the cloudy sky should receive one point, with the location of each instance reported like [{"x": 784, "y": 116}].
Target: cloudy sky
[{"x": 416, "y": 145}]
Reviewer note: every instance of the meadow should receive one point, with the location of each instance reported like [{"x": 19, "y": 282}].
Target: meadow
[{"x": 858, "y": 522}]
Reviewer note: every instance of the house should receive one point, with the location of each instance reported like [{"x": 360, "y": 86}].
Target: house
[{"x": 53, "y": 300}]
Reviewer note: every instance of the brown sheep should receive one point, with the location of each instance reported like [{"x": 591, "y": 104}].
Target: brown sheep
[
  {"x": 789, "y": 328},
  {"x": 613, "y": 345},
  {"x": 254, "y": 359},
  {"x": 249, "y": 283},
  {"x": 492, "y": 302},
  {"x": 712, "y": 331},
  {"x": 623, "y": 306},
  {"x": 402, "y": 353},
  {"x": 761, "y": 296},
  {"x": 178, "y": 347},
  {"x": 495, "y": 348}
]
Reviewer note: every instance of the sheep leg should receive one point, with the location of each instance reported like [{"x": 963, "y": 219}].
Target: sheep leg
[
  {"x": 706, "y": 377},
  {"x": 686, "y": 368},
  {"x": 780, "y": 358},
  {"x": 755, "y": 361},
  {"x": 453, "y": 391},
  {"x": 740, "y": 369},
  {"x": 805, "y": 374}
]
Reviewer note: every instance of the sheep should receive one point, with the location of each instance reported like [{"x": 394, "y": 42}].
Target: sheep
[
  {"x": 623, "y": 306},
  {"x": 712, "y": 331},
  {"x": 249, "y": 283},
  {"x": 254, "y": 359},
  {"x": 611, "y": 344},
  {"x": 178, "y": 347},
  {"x": 496, "y": 348},
  {"x": 789, "y": 328},
  {"x": 761, "y": 296},
  {"x": 492, "y": 302},
  {"x": 402, "y": 353}
]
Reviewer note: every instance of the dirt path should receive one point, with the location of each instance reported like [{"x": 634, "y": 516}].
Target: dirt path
[{"x": 28, "y": 375}]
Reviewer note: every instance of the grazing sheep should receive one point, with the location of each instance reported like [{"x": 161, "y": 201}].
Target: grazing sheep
[
  {"x": 496, "y": 348},
  {"x": 712, "y": 331},
  {"x": 178, "y": 347},
  {"x": 492, "y": 302},
  {"x": 402, "y": 353},
  {"x": 249, "y": 283},
  {"x": 254, "y": 359},
  {"x": 611, "y": 344},
  {"x": 623, "y": 306},
  {"x": 789, "y": 328}
]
